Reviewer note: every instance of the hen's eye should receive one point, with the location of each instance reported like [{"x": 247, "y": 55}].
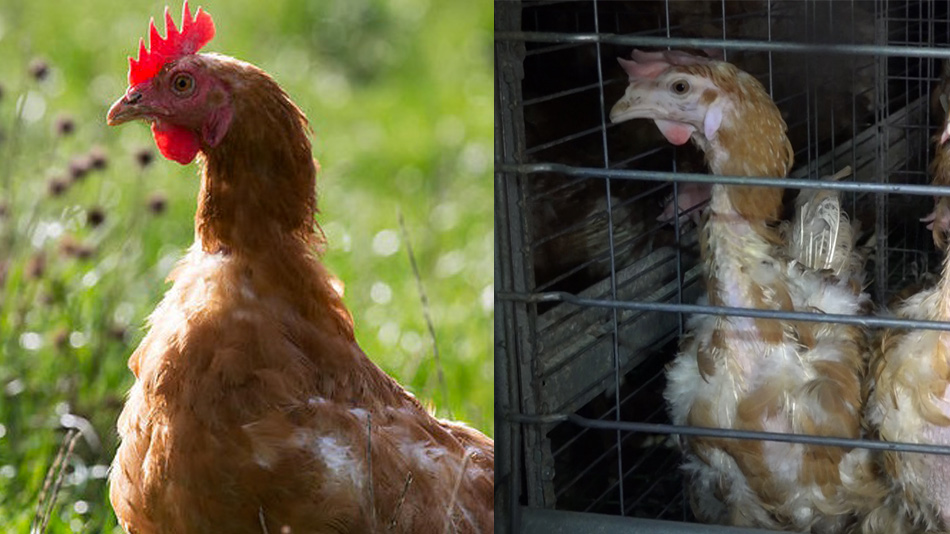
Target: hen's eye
[
  {"x": 680, "y": 87},
  {"x": 183, "y": 84}
]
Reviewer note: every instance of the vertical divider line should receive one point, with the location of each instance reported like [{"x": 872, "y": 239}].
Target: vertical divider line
[
  {"x": 809, "y": 37},
  {"x": 854, "y": 119},
  {"x": 677, "y": 230},
  {"x": 831, "y": 111},
  {"x": 680, "y": 277},
  {"x": 613, "y": 266},
  {"x": 880, "y": 134},
  {"x": 768, "y": 16}
]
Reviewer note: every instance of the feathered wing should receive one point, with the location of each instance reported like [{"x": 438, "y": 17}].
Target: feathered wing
[{"x": 822, "y": 237}]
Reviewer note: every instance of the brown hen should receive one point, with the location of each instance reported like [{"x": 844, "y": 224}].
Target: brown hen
[{"x": 254, "y": 409}]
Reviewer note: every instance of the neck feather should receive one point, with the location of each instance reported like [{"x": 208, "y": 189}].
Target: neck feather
[
  {"x": 740, "y": 232},
  {"x": 739, "y": 238},
  {"x": 258, "y": 199},
  {"x": 758, "y": 148},
  {"x": 258, "y": 185}
]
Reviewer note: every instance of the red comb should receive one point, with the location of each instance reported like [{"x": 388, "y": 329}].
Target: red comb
[{"x": 195, "y": 33}]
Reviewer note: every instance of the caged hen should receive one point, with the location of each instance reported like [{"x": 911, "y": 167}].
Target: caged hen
[
  {"x": 254, "y": 409},
  {"x": 752, "y": 373},
  {"x": 909, "y": 393}
]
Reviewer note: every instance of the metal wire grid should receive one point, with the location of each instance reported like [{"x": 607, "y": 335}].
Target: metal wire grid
[{"x": 578, "y": 448}]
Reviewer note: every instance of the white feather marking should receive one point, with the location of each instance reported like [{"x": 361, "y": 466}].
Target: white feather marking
[
  {"x": 247, "y": 291},
  {"x": 339, "y": 460},
  {"x": 360, "y": 413},
  {"x": 422, "y": 455},
  {"x": 262, "y": 460}
]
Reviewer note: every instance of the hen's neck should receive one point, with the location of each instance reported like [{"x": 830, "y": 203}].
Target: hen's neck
[
  {"x": 258, "y": 187},
  {"x": 258, "y": 200},
  {"x": 733, "y": 247},
  {"x": 739, "y": 234}
]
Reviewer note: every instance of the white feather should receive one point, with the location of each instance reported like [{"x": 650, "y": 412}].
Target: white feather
[{"x": 821, "y": 236}]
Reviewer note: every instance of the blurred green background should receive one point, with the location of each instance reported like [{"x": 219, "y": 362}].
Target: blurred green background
[{"x": 398, "y": 93}]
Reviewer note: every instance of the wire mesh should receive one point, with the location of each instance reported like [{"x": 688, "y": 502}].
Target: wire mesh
[{"x": 597, "y": 272}]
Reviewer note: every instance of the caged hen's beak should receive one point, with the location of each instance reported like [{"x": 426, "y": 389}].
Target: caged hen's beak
[{"x": 631, "y": 106}]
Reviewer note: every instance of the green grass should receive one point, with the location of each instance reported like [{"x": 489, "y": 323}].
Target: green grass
[{"x": 398, "y": 93}]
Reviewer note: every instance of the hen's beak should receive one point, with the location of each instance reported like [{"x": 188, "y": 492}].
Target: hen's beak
[
  {"x": 946, "y": 132},
  {"x": 128, "y": 108},
  {"x": 631, "y": 106}
]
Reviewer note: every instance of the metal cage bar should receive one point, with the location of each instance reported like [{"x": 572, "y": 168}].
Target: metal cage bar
[{"x": 580, "y": 347}]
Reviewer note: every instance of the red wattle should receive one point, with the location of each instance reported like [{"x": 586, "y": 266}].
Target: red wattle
[{"x": 176, "y": 143}]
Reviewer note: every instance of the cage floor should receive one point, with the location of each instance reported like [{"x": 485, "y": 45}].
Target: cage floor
[{"x": 589, "y": 462}]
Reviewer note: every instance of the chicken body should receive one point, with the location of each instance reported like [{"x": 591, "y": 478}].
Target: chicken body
[
  {"x": 248, "y": 410},
  {"x": 749, "y": 373},
  {"x": 909, "y": 394},
  {"x": 909, "y": 401},
  {"x": 254, "y": 409}
]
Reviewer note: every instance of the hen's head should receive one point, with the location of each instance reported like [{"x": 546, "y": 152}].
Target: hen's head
[
  {"x": 177, "y": 90},
  {"x": 725, "y": 111}
]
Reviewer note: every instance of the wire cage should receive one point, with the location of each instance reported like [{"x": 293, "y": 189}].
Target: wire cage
[{"x": 595, "y": 276}]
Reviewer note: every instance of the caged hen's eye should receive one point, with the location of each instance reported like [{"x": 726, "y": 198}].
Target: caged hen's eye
[
  {"x": 183, "y": 84},
  {"x": 680, "y": 87}
]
